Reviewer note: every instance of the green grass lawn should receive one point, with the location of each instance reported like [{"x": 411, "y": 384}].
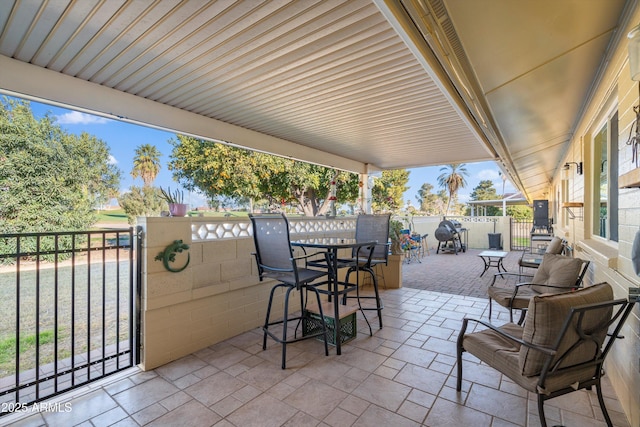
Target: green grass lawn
[
  {"x": 89, "y": 299},
  {"x": 521, "y": 241},
  {"x": 115, "y": 215}
]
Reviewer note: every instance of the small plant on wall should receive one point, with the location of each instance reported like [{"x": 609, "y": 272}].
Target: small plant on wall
[{"x": 175, "y": 199}]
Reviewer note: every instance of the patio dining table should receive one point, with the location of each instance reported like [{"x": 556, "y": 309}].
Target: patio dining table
[{"x": 333, "y": 245}]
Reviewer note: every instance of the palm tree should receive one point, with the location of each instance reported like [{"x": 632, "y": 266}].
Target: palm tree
[
  {"x": 146, "y": 164},
  {"x": 452, "y": 178}
]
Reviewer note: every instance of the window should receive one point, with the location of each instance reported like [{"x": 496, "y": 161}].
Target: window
[{"x": 605, "y": 175}]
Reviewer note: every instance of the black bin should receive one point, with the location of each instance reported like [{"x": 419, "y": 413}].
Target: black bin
[{"x": 495, "y": 240}]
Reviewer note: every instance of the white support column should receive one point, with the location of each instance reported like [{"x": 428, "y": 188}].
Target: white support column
[
  {"x": 367, "y": 180},
  {"x": 364, "y": 196}
]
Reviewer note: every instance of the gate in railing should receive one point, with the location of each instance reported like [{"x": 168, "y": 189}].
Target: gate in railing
[
  {"x": 520, "y": 234},
  {"x": 69, "y": 304}
]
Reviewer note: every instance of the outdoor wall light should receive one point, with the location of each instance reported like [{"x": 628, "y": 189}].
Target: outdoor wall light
[
  {"x": 567, "y": 166},
  {"x": 634, "y": 53}
]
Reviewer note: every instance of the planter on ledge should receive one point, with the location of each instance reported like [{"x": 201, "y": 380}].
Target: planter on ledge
[{"x": 178, "y": 209}]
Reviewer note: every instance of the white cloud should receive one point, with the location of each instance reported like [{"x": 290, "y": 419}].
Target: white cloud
[
  {"x": 78, "y": 118},
  {"x": 489, "y": 174},
  {"x": 112, "y": 160}
]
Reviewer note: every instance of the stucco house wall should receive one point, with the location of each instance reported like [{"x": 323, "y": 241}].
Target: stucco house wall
[{"x": 610, "y": 260}]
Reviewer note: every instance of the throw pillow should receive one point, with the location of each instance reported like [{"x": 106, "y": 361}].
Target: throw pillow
[
  {"x": 545, "y": 318},
  {"x": 555, "y": 246},
  {"x": 556, "y": 270}
]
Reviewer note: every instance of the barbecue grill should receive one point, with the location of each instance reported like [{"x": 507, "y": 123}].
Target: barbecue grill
[{"x": 448, "y": 236}]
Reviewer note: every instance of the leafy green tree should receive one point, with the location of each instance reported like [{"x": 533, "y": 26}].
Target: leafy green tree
[
  {"x": 429, "y": 203},
  {"x": 443, "y": 200},
  {"x": 148, "y": 200},
  {"x": 520, "y": 213},
  {"x": 146, "y": 164},
  {"x": 222, "y": 170},
  {"x": 142, "y": 201},
  {"x": 388, "y": 190},
  {"x": 452, "y": 179},
  {"x": 486, "y": 191},
  {"x": 50, "y": 180}
]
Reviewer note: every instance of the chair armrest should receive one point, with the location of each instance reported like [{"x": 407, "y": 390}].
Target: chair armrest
[
  {"x": 520, "y": 276},
  {"x": 547, "y": 286},
  {"x": 518, "y": 285},
  {"x": 545, "y": 350},
  {"x": 307, "y": 256},
  {"x": 368, "y": 251},
  {"x": 528, "y": 284},
  {"x": 525, "y": 252}
]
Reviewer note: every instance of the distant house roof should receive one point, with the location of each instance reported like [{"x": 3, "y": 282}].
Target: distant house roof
[{"x": 513, "y": 199}]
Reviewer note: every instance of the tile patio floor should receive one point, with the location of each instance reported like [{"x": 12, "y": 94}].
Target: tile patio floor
[{"x": 402, "y": 376}]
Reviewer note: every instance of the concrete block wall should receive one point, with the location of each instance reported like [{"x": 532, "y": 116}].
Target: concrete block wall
[
  {"x": 216, "y": 297},
  {"x": 478, "y": 229}
]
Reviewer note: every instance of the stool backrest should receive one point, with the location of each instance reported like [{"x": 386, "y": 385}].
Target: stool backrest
[
  {"x": 374, "y": 227},
  {"x": 273, "y": 243}
]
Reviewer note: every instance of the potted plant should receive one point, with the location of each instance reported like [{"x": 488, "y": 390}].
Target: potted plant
[{"x": 175, "y": 199}]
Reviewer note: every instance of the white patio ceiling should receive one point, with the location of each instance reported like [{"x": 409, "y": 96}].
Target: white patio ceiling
[{"x": 351, "y": 84}]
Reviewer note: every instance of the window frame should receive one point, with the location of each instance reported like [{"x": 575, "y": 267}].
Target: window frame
[{"x": 610, "y": 120}]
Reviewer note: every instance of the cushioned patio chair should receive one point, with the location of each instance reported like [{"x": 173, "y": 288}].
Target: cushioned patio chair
[
  {"x": 528, "y": 259},
  {"x": 560, "y": 349},
  {"x": 275, "y": 260},
  {"x": 556, "y": 274}
]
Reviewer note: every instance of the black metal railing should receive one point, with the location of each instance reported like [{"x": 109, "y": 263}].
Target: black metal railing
[
  {"x": 69, "y": 303},
  {"x": 520, "y": 234}
]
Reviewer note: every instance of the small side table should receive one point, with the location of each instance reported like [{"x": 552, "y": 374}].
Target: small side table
[{"x": 493, "y": 259}]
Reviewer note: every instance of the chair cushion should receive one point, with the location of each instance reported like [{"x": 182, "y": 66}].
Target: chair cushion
[
  {"x": 555, "y": 247},
  {"x": 556, "y": 270},
  {"x": 500, "y": 353},
  {"x": 494, "y": 349},
  {"x": 503, "y": 296},
  {"x": 545, "y": 318}
]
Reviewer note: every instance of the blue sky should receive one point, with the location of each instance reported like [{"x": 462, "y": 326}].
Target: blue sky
[
  {"x": 479, "y": 171},
  {"x": 123, "y": 138}
]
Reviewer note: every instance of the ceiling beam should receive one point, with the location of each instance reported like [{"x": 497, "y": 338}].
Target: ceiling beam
[{"x": 39, "y": 84}]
